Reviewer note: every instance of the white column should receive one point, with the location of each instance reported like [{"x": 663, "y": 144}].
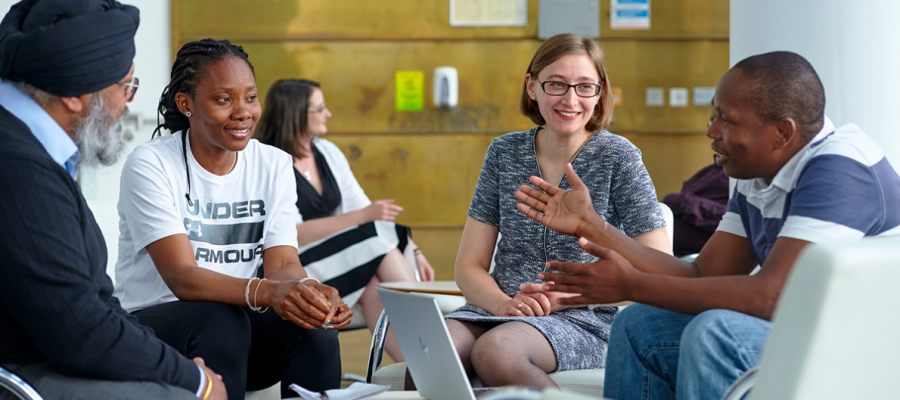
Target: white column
[
  {"x": 152, "y": 63},
  {"x": 152, "y": 60},
  {"x": 854, "y": 45}
]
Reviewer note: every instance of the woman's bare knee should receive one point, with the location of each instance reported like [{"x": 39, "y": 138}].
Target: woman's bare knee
[
  {"x": 394, "y": 268},
  {"x": 513, "y": 353},
  {"x": 463, "y": 339},
  {"x": 464, "y": 336},
  {"x": 369, "y": 297}
]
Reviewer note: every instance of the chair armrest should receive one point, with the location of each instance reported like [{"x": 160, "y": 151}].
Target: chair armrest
[
  {"x": 17, "y": 386},
  {"x": 742, "y": 385},
  {"x": 376, "y": 350}
]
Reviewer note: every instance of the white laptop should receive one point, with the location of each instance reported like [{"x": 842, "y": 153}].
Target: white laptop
[{"x": 430, "y": 355}]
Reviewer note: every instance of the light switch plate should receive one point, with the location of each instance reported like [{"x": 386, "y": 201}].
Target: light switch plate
[
  {"x": 678, "y": 97},
  {"x": 655, "y": 97},
  {"x": 581, "y": 17},
  {"x": 703, "y": 95}
]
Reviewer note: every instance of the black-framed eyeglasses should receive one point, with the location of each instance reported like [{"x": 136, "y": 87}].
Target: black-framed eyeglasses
[
  {"x": 131, "y": 87},
  {"x": 317, "y": 110},
  {"x": 555, "y": 88}
]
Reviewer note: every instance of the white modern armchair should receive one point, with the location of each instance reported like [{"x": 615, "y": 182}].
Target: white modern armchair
[{"x": 835, "y": 328}]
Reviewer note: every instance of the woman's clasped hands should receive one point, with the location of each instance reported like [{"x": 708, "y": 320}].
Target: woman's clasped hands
[
  {"x": 525, "y": 305},
  {"x": 309, "y": 304},
  {"x": 532, "y": 301}
]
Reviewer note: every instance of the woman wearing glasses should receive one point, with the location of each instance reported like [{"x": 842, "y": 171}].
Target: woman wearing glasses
[
  {"x": 346, "y": 240},
  {"x": 511, "y": 333}
]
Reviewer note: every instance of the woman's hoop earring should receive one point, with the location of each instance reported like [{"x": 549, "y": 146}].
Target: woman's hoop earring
[{"x": 188, "y": 114}]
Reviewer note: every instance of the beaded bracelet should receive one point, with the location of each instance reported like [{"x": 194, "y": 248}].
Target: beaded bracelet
[
  {"x": 247, "y": 292},
  {"x": 258, "y": 309}
]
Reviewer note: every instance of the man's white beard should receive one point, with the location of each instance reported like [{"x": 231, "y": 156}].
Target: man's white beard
[{"x": 99, "y": 134}]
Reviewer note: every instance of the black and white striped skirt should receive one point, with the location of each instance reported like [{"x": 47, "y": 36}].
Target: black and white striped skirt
[{"x": 347, "y": 260}]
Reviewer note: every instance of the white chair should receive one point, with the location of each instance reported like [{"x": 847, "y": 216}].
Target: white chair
[
  {"x": 17, "y": 386},
  {"x": 670, "y": 222},
  {"x": 835, "y": 327}
]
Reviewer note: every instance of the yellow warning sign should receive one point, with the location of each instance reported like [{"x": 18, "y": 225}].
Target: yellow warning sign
[{"x": 409, "y": 90}]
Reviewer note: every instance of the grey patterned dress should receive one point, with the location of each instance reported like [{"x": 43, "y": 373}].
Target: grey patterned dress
[{"x": 622, "y": 193}]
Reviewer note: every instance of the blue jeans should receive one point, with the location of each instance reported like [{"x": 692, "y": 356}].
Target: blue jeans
[{"x": 659, "y": 354}]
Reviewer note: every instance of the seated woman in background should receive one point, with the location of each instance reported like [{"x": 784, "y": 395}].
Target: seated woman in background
[
  {"x": 198, "y": 212},
  {"x": 698, "y": 208},
  {"x": 511, "y": 333},
  {"x": 346, "y": 240}
]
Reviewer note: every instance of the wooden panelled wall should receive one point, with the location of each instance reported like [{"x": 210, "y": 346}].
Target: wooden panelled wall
[{"x": 429, "y": 161}]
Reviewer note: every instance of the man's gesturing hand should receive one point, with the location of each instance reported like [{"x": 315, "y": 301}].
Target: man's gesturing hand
[
  {"x": 607, "y": 280},
  {"x": 561, "y": 210},
  {"x": 535, "y": 289}
]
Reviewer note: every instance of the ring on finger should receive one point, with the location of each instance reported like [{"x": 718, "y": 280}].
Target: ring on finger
[{"x": 520, "y": 305}]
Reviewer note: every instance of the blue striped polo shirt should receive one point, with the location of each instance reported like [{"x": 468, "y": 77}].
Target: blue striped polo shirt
[{"x": 839, "y": 187}]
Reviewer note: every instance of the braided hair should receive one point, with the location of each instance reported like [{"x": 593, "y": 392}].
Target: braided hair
[{"x": 188, "y": 70}]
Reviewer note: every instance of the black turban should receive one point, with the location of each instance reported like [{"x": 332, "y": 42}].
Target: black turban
[{"x": 68, "y": 47}]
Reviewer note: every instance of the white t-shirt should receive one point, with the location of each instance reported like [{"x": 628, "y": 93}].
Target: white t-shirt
[{"x": 232, "y": 220}]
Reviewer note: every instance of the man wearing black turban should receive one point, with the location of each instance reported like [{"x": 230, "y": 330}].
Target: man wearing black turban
[{"x": 67, "y": 73}]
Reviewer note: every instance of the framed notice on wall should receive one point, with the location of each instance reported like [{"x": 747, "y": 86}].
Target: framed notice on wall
[
  {"x": 629, "y": 14},
  {"x": 488, "y": 13}
]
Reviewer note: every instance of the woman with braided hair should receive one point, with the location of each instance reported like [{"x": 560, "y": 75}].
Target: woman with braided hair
[{"x": 199, "y": 211}]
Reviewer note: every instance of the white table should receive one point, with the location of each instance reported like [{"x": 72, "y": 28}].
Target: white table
[{"x": 435, "y": 287}]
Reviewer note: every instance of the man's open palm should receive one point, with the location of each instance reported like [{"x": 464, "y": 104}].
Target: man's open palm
[{"x": 561, "y": 210}]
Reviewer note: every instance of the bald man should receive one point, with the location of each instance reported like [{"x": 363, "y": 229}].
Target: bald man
[
  {"x": 801, "y": 180},
  {"x": 68, "y": 74}
]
